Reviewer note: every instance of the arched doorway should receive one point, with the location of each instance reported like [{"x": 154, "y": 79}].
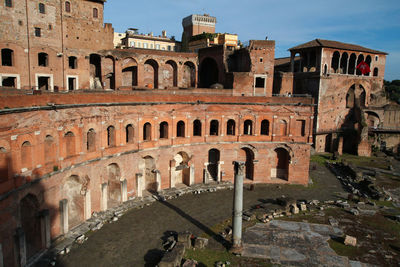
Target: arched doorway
[
  {"x": 72, "y": 191},
  {"x": 247, "y": 155},
  {"x": 282, "y": 159},
  {"x": 208, "y": 72},
  {"x": 189, "y": 75},
  {"x": 114, "y": 185},
  {"x": 213, "y": 162},
  {"x": 129, "y": 72},
  {"x": 151, "y": 73},
  {"x": 170, "y": 74},
  {"x": 95, "y": 72},
  {"x": 150, "y": 178},
  {"x": 182, "y": 171},
  {"x": 30, "y": 223}
]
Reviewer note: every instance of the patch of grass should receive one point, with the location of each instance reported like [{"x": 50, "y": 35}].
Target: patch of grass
[
  {"x": 208, "y": 257},
  {"x": 384, "y": 224},
  {"x": 343, "y": 250},
  {"x": 218, "y": 228},
  {"x": 374, "y": 162},
  {"x": 384, "y": 203},
  {"x": 320, "y": 158}
]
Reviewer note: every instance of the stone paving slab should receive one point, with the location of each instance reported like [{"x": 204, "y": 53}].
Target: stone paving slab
[{"x": 294, "y": 244}]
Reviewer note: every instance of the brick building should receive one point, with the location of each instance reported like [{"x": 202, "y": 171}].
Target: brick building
[{"x": 104, "y": 125}]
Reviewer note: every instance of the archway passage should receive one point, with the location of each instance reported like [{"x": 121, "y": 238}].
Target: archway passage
[
  {"x": 282, "y": 159},
  {"x": 151, "y": 73},
  {"x": 72, "y": 191},
  {"x": 182, "y": 171},
  {"x": 114, "y": 186},
  {"x": 150, "y": 177},
  {"x": 130, "y": 76},
  {"x": 189, "y": 75},
  {"x": 30, "y": 223},
  {"x": 248, "y": 158},
  {"x": 95, "y": 72},
  {"x": 170, "y": 74},
  {"x": 213, "y": 161},
  {"x": 208, "y": 72}
]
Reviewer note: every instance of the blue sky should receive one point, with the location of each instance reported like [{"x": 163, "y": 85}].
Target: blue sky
[{"x": 370, "y": 23}]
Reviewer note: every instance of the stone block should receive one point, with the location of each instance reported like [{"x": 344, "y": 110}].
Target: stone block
[
  {"x": 174, "y": 257},
  {"x": 190, "y": 263},
  {"x": 303, "y": 207},
  {"x": 200, "y": 242},
  {"x": 350, "y": 241},
  {"x": 294, "y": 209},
  {"x": 185, "y": 238}
]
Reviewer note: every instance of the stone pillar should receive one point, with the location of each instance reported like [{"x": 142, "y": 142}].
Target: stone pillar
[
  {"x": 158, "y": 180},
  {"x": 191, "y": 177},
  {"x": 219, "y": 171},
  {"x": 45, "y": 228},
  {"x": 173, "y": 174},
  {"x": 340, "y": 145},
  {"x": 238, "y": 207},
  {"x": 64, "y": 215},
  {"x": 104, "y": 196},
  {"x": 292, "y": 62},
  {"x": 21, "y": 245},
  {"x": 124, "y": 190},
  {"x": 139, "y": 184},
  {"x": 88, "y": 205},
  {"x": 206, "y": 176},
  {"x": 1, "y": 256}
]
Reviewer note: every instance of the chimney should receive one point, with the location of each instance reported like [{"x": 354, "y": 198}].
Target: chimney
[{"x": 164, "y": 33}]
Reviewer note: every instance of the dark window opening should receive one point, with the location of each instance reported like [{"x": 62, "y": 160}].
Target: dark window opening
[
  {"x": 163, "y": 130},
  {"x": 43, "y": 59},
  {"x": 375, "y": 72},
  {"x": 180, "y": 129},
  {"x": 72, "y": 62},
  {"x": 197, "y": 128},
  {"x": 111, "y": 136},
  {"x": 43, "y": 83},
  {"x": 9, "y": 82},
  {"x": 91, "y": 140},
  {"x": 248, "y": 127},
  {"x": 8, "y": 3},
  {"x": 147, "y": 131},
  {"x": 260, "y": 82},
  {"x": 42, "y": 8},
  {"x": 71, "y": 84},
  {"x": 38, "y": 32},
  {"x": 230, "y": 127},
  {"x": 264, "y": 127},
  {"x": 335, "y": 62},
  {"x": 214, "y": 125},
  {"x": 6, "y": 57},
  {"x": 67, "y": 7},
  {"x": 129, "y": 133},
  {"x": 95, "y": 13},
  {"x": 302, "y": 125}
]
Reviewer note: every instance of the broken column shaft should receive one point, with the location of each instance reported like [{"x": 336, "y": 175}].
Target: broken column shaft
[{"x": 238, "y": 206}]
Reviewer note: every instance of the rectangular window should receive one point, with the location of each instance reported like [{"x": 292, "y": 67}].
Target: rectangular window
[
  {"x": 95, "y": 13},
  {"x": 169, "y": 48},
  {"x": 8, "y": 3},
  {"x": 157, "y": 46},
  {"x": 144, "y": 45},
  {"x": 42, "y": 8},
  {"x": 38, "y": 32},
  {"x": 151, "y": 46},
  {"x": 132, "y": 44},
  {"x": 260, "y": 82}
]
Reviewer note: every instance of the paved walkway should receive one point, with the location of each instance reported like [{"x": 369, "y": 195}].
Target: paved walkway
[{"x": 136, "y": 238}]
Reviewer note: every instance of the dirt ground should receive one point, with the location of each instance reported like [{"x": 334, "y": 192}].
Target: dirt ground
[{"x": 136, "y": 238}]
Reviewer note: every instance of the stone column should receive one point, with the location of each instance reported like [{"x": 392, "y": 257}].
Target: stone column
[
  {"x": 206, "y": 177},
  {"x": 21, "y": 245},
  {"x": 45, "y": 228},
  {"x": 238, "y": 207},
  {"x": 124, "y": 190},
  {"x": 139, "y": 184},
  {"x": 64, "y": 215},
  {"x": 1, "y": 256},
  {"x": 104, "y": 193},
  {"x": 191, "y": 177},
  {"x": 219, "y": 178},
  {"x": 158, "y": 180},
  {"x": 340, "y": 145},
  {"x": 88, "y": 205}
]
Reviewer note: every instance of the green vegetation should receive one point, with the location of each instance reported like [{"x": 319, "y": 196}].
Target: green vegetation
[
  {"x": 204, "y": 35},
  {"x": 321, "y": 158},
  {"x": 343, "y": 250},
  {"x": 393, "y": 90}
]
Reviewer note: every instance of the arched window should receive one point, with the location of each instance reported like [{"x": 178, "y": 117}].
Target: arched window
[
  {"x": 163, "y": 130},
  {"x": 91, "y": 140},
  {"x": 69, "y": 144},
  {"x": 248, "y": 127},
  {"x": 197, "y": 128},
  {"x": 325, "y": 69},
  {"x": 362, "y": 97},
  {"x": 147, "y": 131},
  {"x": 230, "y": 127},
  {"x": 375, "y": 72},
  {"x": 95, "y": 13},
  {"x": 214, "y": 125},
  {"x": 335, "y": 62},
  {"x": 49, "y": 149},
  {"x": 67, "y": 7},
  {"x": 7, "y": 57},
  {"x": 111, "y": 136},
  {"x": 359, "y": 60},
  {"x": 43, "y": 59},
  {"x": 42, "y": 8},
  {"x": 264, "y": 127},
  {"x": 129, "y": 133},
  {"x": 26, "y": 155},
  {"x": 343, "y": 63},
  {"x": 72, "y": 62},
  {"x": 180, "y": 129},
  {"x": 350, "y": 97},
  {"x": 282, "y": 127},
  {"x": 352, "y": 64}
]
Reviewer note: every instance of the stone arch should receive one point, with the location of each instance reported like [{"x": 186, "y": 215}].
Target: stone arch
[
  {"x": 147, "y": 131},
  {"x": 197, "y": 127},
  {"x": 182, "y": 170},
  {"x": 335, "y": 62},
  {"x": 49, "y": 149},
  {"x": 95, "y": 71},
  {"x": 114, "y": 185},
  {"x": 129, "y": 133},
  {"x": 150, "y": 178},
  {"x": 264, "y": 127},
  {"x": 352, "y": 64},
  {"x": 31, "y": 225},
  {"x": 214, "y": 127},
  {"x": 129, "y": 68},
  {"x": 248, "y": 127},
  {"x": 230, "y": 127},
  {"x": 171, "y": 67},
  {"x": 350, "y": 97},
  {"x": 189, "y": 75},
  {"x": 208, "y": 72},
  {"x": 213, "y": 163},
  {"x": 91, "y": 140},
  {"x": 368, "y": 60},
  {"x": 111, "y": 136},
  {"x": 72, "y": 189},
  {"x": 163, "y": 130},
  {"x": 26, "y": 155},
  {"x": 247, "y": 156},
  {"x": 343, "y": 63},
  {"x": 180, "y": 129},
  {"x": 373, "y": 119},
  {"x": 360, "y": 58},
  {"x": 282, "y": 161},
  {"x": 151, "y": 73},
  {"x": 362, "y": 97}
]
